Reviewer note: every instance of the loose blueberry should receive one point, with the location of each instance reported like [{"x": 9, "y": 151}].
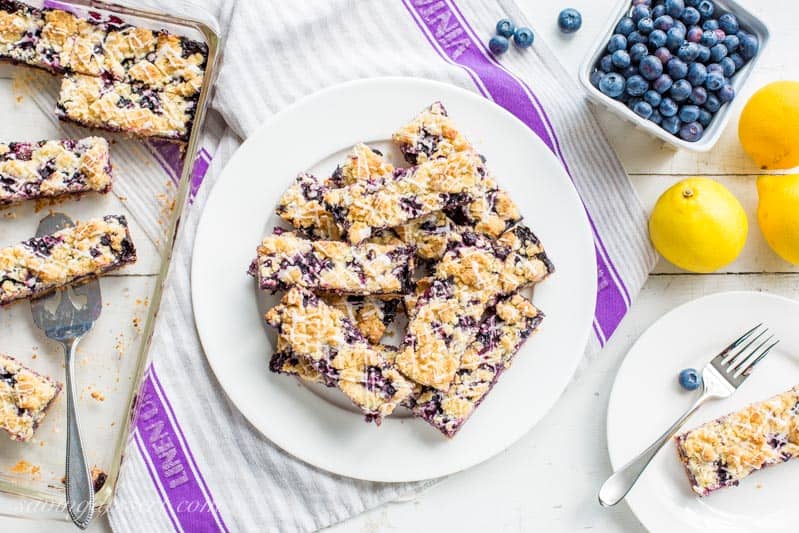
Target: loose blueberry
[
  {"x": 713, "y": 103},
  {"x": 658, "y": 11},
  {"x": 688, "y": 52},
  {"x": 646, "y": 25},
  {"x": 698, "y": 96},
  {"x": 505, "y": 28},
  {"x": 612, "y": 84},
  {"x": 632, "y": 70},
  {"x": 639, "y": 12},
  {"x": 606, "y": 63},
  {"x": 691, "y": 132},
  {"x": 738, "y": 60},
  {"x": 708, "y": 38},
  {"x": 620, "y": 59},
  {"x": 498, "y": 45},
  {"x": 677, "y": 69},
  {"x": 720, "y": 35},
  {"x": 657, "y": 38},
  {"x": 664, "y": 55},
  {"x": 638, "y": 51},
  {"x": 656, "y": 117},
  {"x": 663, "y": 83},
  {"x": 668, "y": 107},
  {"x": 637, "y": 37},
  {"x": 674, "y": 8},
  {"x": 727, "y": 67},
  {"x": 694, "y": 35},
  {"x": 625, "y": 26},
  {"x": 680, "y": 26},
  {"x": 714, "y": 81},
  {"x": 718, "y": 52},
  {"x": 681, "y": 90},
  {"x": 690, "y": 379},
  {"x": 749, "y": 45},
  {"x": 697, "y": 74},
  {"x": 690, "y": 16},
  {"x": 710, "y": 25},
  {"x": 596, "y": 77},
  {"x": 653, "y": 98},
  {"x": 704, "y": 54},
  {"x": 726, "y": 93},
  {"x": 570, "y": 20},
  {"x": 732, "y": 42},
  {"x": 671, "y": 124},
  {"x": 664, "y": 23},
  {"x": 674, "y": 38},
  {"x": 650, "y": 67},
  {"x": 728, "y": 23},
  {"x": 643, "y": 109},
  {"x": 636, "y": 85},
  {"x": 705, "y": 8},
  {"x": 705, "y": 117},
  {"x": 689, "y": 113},
  {"x": 715, "y": 67}
]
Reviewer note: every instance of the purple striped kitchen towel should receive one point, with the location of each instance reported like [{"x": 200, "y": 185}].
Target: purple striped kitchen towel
[{"x": 194, "y": 464}]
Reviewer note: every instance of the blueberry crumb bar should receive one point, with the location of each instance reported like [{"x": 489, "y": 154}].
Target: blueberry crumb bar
[
  {"x": 20, "y": 26},
  {"x": 430, "y": 135},
  {"x": 53, "y": 168},
  {"x": 326, "y": 339},
  {"x": 285, "y": 260},
  {"x": 39, "y": 265},
  {"x": 25, "y": 397},
  {"x": 491, "y": 213},
  {"x": 362, "y": 209},
  {"x": 430, "y": 235},
  {"x": 371, "y": 314},
  {"x": 503, "y": 330},
  {"x": 724, "y": 451},
  {"x": 363, "y": 164}
]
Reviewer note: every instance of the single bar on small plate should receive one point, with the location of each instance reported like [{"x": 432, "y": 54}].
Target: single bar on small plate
[
  {"x": 89, "y": 249},
  {"x": 49, "y": 169},
  {"x": 20, "y": 26},
  {"x": 123, "y": 107},
  {"x": 471, "y": 276},
  {"x": 724, "y": 451},
  {"x": 371, "y": 314},
  {"x": 25, "y": 397},
  {"x": 505, "y": 327},
  {"x": 430, "y": 135},
  {"x": 331, "y": 344},
  {"x": 286, "y": 260},
  {"x": 362, "y": 209}
]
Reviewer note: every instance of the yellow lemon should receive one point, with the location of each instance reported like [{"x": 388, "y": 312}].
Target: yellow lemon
[
  {"x": 778, "y": 214},
  {"x": 698, "y": 225},
  {"x": 769, "y": 126}
]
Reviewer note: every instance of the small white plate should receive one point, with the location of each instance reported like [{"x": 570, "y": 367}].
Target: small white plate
[
  {"x": 315, "y": 425},
  {"x": 647, "y": 398}
]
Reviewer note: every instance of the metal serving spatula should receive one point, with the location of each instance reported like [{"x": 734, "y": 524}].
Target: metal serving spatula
[{"x": 70, "y": 322}]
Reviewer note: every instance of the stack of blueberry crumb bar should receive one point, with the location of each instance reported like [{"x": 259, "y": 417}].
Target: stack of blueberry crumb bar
[{"x": 438, "y": 241}]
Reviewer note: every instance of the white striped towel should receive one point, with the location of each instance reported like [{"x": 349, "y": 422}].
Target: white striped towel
[{"x": 194, "y": 464}]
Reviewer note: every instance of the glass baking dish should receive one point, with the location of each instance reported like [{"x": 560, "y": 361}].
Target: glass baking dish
[{"x": 152, "y": 181}]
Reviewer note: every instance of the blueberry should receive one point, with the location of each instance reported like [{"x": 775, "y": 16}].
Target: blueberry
[
  {"x": 498, "y": 45},
  {"x": 697, "y": 74},
  {"x": 698, "y": 96},
  {"x": 674, "y": 7},
  {"x": 681, "y": 90},
  {"x": 691, "y": 132},
  {"x": 749, "y": 45},
  {"x": 646, "y": 25},
  {"x": 652, "y": 97},
  {"x": 718, "y": 52},
  {"x": 637, "y": 52},
  {"x": 657, "y": 38},
  {"x": 708, "y": 38},
  {"x": 632, "y": 70},
  {"x": 713, "y": 103},
  {"x": 677, "y": 69},
  {"x": 690, "y": 16},
  {"x": 675, "y": 37},
  {"x": 688, "y": 113},
  {"x": 636, "y": 85},
  {"x": 732, "y": 42},
  {"x": 692, "y": 3},
  {"x": 663, "y": 83},
  {"x": 704, "y": 54},
  {"x": 679, "y": 25},
  {"x": 620, "y": 59},
  {"x": 650, "y": 67},
  {"x": 694, "y": 35},
  {"x": 738, "y": 60},
  {"x": 668, "y": 107},
  {"x": 705, "y": 117},
  {"x": 596, "y": 77},
  {"x": 728, "y": 23},
  {"x": 625, "y": 26},
  {"x": 720, "y": 35},
  {"x": 524, "y": 37},
  {"x": 658, "y": 11},
  {"x": 714, "y": 81},
  {"x": 671, "y": 124},
  {"x": 606, "y": 63},
  {"x": 688, "y": 52},
  {"x": 726, "y": 93},
  {"x": 715, "y": 67},
  {"x": 505, "y": 28},
  {"x": 617, "y": 42},
  {"x": 632, "y": 101},
  {"x": 664, "y": 23},
  {"x": 612, "y": 84},
  {"x": 645, "y": 2},
  {"x": 639, "y": 12},
  {"x": 570, "y": 20},
  {"x": 642, "y": 109},
  {"x": 637, "y": 37},
  {"x": 690, "y": 379},
  {"x": 656, "y": 117},
  {"x": 664, "y": 55},
  {"x": 710, "y": 25},
  {"x": 705, "y": 8},
  {"x": 727, "y": 67}
]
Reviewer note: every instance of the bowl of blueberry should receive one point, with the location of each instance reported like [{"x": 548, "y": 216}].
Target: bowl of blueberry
[{"x": 672, "y": 67}]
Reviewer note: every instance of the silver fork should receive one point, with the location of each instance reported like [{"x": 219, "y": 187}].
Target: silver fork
[
  {"x": 720, "y": 378},
  {"x": 68, "y": 325}
]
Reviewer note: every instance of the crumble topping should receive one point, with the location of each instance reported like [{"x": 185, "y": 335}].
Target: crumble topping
[
  {"x": 371, "y": 314},
  {"x": 362, "y": 164},
  {"x": 430, "y": 135},
  {"x": 429, "y": 235},
  {"x": 19, "y": 27},
  {"x": 24, "y": 398}
]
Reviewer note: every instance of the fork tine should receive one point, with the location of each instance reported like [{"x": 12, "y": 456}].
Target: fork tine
[
  {"x": 733, "y": 355},
  {"x": 747, "y": 369},
  {"x": 739, "y": 362}
]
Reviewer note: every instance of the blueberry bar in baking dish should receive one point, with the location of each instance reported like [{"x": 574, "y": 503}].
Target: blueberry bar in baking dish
[
  {"x": 25, "y": 397},
  {"x": 39, "y": 265},
  {"x": 362, "y": 209},
  {"x": 723, "y": 452},
  {"x": 53, "y": 168},
  {"x": 327, "y": 340},
  {"x": 503, "y": 330},
  {"x": 285, "y": 260},
  {"x": 130, "y": 108},
  {"x": 20, "y": 26},
  {"x": 470, "y": 277}
]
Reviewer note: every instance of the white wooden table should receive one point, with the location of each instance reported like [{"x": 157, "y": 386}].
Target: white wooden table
[{"x": 548, "y": 481}]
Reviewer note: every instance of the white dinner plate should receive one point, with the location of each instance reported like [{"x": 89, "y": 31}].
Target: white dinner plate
[
  {"x": 647, "y": 398},
  {"x": 318, "y": 425}
]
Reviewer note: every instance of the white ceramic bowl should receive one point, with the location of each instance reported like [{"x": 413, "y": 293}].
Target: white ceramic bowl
[{"x": 749, "y": 23}]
